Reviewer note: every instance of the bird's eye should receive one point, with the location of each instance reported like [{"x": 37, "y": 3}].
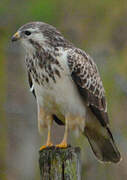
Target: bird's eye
[{"x": 27, "y": 33}]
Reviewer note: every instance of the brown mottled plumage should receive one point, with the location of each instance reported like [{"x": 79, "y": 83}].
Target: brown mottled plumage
[{"x": 67, "y": 87}]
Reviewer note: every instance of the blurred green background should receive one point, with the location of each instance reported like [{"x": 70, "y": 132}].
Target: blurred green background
[{"x": 98, "y": 27}]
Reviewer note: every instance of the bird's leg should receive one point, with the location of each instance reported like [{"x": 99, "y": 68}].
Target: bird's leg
[
  {"x": 49, "y": 133},
  {"x": 48, "y": 143},
  {"x": 63, "y": 144}
]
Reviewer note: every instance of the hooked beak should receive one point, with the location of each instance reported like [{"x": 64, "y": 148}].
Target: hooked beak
[{"x": 16, "y": 36}]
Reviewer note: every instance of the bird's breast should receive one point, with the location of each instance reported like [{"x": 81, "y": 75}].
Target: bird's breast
[
  {"x": 55, "y": 89},
  {"x": 60, "y": 97}
]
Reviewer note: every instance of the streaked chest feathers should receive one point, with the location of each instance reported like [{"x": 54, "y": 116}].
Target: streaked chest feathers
[{"x": 43, "y": 68}]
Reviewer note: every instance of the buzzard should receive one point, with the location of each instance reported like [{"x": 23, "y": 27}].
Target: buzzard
[{"x": 67, "y": 87}]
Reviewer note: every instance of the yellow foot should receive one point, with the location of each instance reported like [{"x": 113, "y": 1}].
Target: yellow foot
[
  {"x": 46, "y": 146},
  {"x": 62, "y": 145}
]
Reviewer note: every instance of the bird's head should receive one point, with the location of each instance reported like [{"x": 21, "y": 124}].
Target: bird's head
[{"x": 38, "y": 34}]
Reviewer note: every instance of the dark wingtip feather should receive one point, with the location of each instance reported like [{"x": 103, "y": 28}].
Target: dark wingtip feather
[
  {"x": 116, "y": 157},
  {"x": 57, "y": 120}
]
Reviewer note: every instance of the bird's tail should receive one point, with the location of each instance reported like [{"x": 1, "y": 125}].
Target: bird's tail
[{"x": 102, "y": 144}]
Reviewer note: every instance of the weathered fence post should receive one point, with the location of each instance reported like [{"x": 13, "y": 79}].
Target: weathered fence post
[{"x": 60, "y": 164}]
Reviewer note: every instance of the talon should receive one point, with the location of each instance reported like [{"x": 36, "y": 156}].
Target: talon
[
  {"x": 43, "y": 147},
  {"x": 46, "y": 146},
  {"x": 62, "y": 145}
]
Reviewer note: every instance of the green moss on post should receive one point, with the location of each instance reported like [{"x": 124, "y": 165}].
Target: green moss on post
[{"x": 60, "y": 164}]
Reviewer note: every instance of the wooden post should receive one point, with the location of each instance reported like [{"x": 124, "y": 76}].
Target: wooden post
[{"x": 60, "y": 164}]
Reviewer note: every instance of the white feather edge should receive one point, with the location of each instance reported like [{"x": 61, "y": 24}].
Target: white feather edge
[{"x": 32, "y": 88}]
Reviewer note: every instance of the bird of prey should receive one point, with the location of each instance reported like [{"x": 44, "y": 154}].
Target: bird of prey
[{"x": 68, "y": 88}]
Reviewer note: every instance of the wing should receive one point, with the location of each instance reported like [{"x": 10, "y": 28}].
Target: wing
[{"x": 86, "y": 77}]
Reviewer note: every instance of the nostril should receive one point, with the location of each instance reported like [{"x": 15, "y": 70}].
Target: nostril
[{"x": 14, "y": 38}]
